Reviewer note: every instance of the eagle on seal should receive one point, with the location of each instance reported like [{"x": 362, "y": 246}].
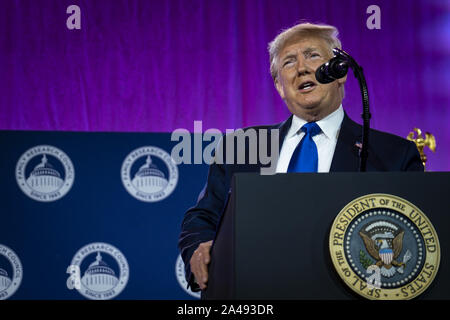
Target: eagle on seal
[{"x": 384, "y": 246}]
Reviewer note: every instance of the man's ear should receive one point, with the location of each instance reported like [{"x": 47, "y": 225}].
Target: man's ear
[
  {"x": 279, "y": 88},
  {"x": 342, "y": 81}
]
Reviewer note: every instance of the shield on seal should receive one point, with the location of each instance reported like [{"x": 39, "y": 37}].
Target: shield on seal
[{"x": 386, "y": 255}]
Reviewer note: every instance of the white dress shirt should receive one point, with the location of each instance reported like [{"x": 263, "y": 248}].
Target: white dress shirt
[{"x": 325, "y": 141}]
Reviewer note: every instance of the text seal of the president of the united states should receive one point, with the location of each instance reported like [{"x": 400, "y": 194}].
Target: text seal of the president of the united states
[{"x": 384, "y": 247}]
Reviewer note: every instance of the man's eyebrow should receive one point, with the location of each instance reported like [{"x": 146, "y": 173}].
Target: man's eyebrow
[
  {"x": 309, "y": 50},
  {"x": 288, "y": 56},
  {"x": 294, "y": 55}
]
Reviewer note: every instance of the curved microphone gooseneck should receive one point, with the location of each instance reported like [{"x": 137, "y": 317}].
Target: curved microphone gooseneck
[{"x": 337, "y": 68}]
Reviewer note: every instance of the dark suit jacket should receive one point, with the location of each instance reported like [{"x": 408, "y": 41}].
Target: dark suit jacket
[{"x": 386, "y": 152}]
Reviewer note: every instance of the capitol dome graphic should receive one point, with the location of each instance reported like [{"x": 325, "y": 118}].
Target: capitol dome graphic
[
  {"x": 149, "y": 178},
  {"x": 5, "y": 281},
  {"x": 99, "y": 276},
  {"x": 44, "y": 178}
]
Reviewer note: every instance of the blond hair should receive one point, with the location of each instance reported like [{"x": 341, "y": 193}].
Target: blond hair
[{"x": 325, "y": 32}]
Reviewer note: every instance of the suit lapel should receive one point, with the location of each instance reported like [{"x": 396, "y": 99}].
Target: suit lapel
[
  {"x": 346, "y": 157},
  {"x": 284, "y": 128}
]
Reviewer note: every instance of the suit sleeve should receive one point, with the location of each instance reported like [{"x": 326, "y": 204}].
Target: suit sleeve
[
  {"x": 412, "y": 161},
  {"x": 200, "y": 222}
]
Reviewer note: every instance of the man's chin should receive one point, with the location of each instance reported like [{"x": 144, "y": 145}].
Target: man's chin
[
  {"x": 306, "y": 111},
  {"x": 311, "y": 110}
]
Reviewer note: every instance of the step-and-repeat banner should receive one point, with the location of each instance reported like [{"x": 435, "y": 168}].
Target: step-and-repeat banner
[{"x": 93, "y": 215}]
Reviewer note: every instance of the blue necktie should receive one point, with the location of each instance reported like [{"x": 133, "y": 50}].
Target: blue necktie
[{"x": 305, "y": 158}]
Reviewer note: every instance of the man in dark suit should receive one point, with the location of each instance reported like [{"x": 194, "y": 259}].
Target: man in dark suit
[{"x": 317, "y": 128}]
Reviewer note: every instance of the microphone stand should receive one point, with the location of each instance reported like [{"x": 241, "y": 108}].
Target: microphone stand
[{"x": 358, "y": 72}]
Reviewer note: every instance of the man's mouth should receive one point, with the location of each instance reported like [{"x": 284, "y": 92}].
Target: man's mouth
[{"x": 306, "y": 86}]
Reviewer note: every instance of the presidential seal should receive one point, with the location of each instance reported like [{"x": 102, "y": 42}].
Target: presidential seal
[
  {"x": 99, "y": 271},
  {"x": 181, "y": 278},
  {"x": 45, "y": 173},
  {"x": 11, "y": 272},
  {"x": 149, "y": 174},
  {"x": 384, "y": 248}
]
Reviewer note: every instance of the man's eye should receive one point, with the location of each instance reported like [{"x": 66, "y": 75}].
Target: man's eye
[
  {"x": 314, "y": 55},
  {"x": 288, "y": 63}
]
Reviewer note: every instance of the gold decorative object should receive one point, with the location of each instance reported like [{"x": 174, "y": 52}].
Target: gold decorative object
[{"x": 420, "y": 142}]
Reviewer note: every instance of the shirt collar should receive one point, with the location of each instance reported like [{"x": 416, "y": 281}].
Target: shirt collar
[{"x": 330, "y": 125}]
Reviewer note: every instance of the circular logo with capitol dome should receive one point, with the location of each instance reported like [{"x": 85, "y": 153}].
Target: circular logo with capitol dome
[
  {"x": 102, "y": 271},
  {"x": 11, "y": 272},
  {"x": 181, "y": 278},
  {"x": 149, "y": 174},
  {"x": 45, "y": 173}
]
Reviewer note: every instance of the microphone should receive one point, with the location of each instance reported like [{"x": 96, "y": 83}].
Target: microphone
[
  {"x": 334, "y": 69},
  {"x": 337, "y": 68}
]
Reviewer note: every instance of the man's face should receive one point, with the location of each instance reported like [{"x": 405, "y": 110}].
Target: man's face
[{"x": 296, "y": 82}]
